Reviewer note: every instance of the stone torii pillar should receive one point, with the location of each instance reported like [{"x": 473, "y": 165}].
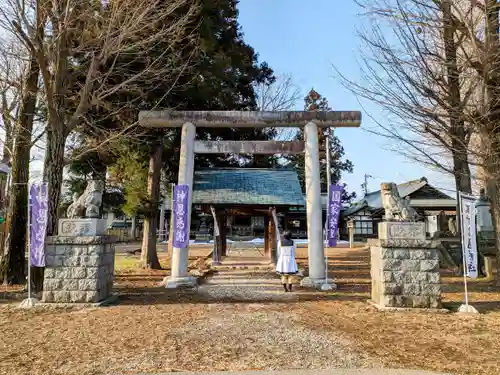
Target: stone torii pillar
[
  {"x": 179, "y": 271},
  {"x": 316, "y": 251},
  {"x": 253, "y": 119}
]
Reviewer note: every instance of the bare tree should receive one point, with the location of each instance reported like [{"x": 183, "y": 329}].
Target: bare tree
[
  {"x": 483, "y": 49},
  {"x": 12, "y": 267},
  {"x": 86, "y": 47},
  {"x": 149, "y": 255},
  {"x": 281, "y": 95},
  {"x": 412, "y": 68},
  {"x": 12, "y": 64},
  {"x": 441, "y": 81}
]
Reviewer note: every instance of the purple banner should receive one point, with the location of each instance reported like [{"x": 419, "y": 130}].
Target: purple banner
[
  {"x": 181, "y": 212},
  {"x": 334, "y": 203},
  {"x": 38, "y": 223}
]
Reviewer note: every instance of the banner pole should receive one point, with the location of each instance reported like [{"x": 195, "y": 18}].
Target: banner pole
[
  {"x": 29, "y": 302},
  {"x": 465, "y": 308},
  {"x": 328, "y": 184},
  {"x": 462, "y": 232},
  {"x": 29, "y": 242}
]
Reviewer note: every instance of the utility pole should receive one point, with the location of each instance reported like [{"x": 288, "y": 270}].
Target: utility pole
[{"x": 364, "y": 185}]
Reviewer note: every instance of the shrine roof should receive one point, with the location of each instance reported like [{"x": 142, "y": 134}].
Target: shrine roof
[
  {"x": 418, "y": 190},
  {"x": 247, "y": 186}
]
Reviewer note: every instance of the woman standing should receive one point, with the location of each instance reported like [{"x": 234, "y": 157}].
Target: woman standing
[{"x": 286, "y": 265}]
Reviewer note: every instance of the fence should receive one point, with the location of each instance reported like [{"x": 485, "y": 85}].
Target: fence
[{"x": 123, "y": 234}]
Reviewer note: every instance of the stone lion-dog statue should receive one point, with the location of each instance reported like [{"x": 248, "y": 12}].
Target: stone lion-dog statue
[
  {"x": 89, "y": 203},
  {"x": 396, "y": 208}
]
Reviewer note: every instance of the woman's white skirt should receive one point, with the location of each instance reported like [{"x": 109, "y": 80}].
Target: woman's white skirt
[{"x": 286, "y": 261}]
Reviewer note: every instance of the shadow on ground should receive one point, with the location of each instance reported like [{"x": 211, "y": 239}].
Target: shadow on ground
[{"x": 159, "y": 295}]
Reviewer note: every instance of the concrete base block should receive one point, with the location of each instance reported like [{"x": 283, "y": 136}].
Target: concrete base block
[
  {"x": 28, "y": 303},
  {"x": 467, "y": 309},
  {"x": 308, "y": 282},
  {"x": 64, "y": 305},
  {"x": 181, "y": 282},
  {"x": 407, "y": 309}
]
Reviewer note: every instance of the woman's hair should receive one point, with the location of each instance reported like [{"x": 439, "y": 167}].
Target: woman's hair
[{"x": 287, "y": 235}]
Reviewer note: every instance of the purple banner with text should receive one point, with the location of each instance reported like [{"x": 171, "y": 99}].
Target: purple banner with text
[
  {"x": 181, "y": 219},
  {"x": 38, "y": 223},
  {"x": 334, "y": 203}
]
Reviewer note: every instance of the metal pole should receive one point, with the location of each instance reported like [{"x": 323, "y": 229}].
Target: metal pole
[
  {"x": 463, "y": 249},
  {"x": 328, "y": 180},
  {"x": 29, "y": 243},
  {"x": 329, "y": 183},
  {"x": 171, "y": 230}
]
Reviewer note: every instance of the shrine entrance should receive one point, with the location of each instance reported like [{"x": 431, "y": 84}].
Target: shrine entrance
[
  {"x": 310, "y": 121},
  {"x": 248, "y": 206}
]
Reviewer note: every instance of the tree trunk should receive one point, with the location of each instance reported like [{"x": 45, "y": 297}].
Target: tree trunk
[
  {"x": 6, "y": 159},
  {"x": 462, "y": 175},
  {"x": 461, "y": 170},
  {"x": 495, "y": 215},
  {"x": 267, "y": 242},
  {"x": 12, "y": 267},
  {"x": 53, "y": 172},
  {"x": 133, "y": 228},
  {"x": 8, "y": 143},
  {"x": 492, "y": 107},
  {"x": 149, "y": 255},
  {"x": 223, "y": 233}
]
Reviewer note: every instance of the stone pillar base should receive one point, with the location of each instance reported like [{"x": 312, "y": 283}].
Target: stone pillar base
[
  {"x": 308, "y": 282},
  {"x": 78, "y": 269},
  {"x": 405, "y": 267},
  {"x": 179, "y": 282}
]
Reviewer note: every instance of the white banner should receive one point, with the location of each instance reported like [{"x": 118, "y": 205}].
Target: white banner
[{"x": 469, "y": 244}]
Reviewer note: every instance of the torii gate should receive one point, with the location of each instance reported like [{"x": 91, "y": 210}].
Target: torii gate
[{"x": 189, "y": 120}]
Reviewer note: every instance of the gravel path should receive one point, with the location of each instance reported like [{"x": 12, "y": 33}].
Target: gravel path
[{"x": 257, "y": 334}]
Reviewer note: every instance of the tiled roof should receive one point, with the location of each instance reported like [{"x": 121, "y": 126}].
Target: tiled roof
[
  {"x": 247, "y": 186},
  {"x": 373, "y": 200}
]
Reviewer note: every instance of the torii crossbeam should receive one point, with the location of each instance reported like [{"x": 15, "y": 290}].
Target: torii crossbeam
[{"x": 189, "y": 120}]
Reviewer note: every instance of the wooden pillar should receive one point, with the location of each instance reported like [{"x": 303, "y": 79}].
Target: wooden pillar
[
  {"x": 223, "y": 232},
  {"x": 267, "y": 247},
  {"x": 217, "y": 253},
  {"x": 273, "y": 244}
]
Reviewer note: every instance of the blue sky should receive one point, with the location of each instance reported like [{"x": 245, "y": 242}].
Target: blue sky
[{"x": 305, "y": 39}]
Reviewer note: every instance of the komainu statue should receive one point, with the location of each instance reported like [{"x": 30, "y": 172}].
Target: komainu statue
[
  {"x": 396, "y": 209},
  {"x": 89, "y": 203}
]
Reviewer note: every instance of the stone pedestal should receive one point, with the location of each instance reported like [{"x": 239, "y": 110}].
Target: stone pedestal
[
  {"x": 79, "y": 269},
  {"x": 82, "y": 227},
  {"x": 308, "y": 282},
  {"x": 180, "y": 282},
  {"x": 404, "y": 267}
]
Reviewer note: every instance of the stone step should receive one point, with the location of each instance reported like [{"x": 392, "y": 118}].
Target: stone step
[
  {"x": 248, "y": 267},
  {"x": 244, "y": 282},
  {"x": 240, "y": 275}
]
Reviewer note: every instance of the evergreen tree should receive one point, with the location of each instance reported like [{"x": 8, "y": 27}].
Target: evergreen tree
[
  {"x": 338, "y": 164},
  {"x": 221, "y": 73}
]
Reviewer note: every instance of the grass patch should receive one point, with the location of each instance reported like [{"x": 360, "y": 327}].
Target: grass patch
[{"x": 124, "y": 263}]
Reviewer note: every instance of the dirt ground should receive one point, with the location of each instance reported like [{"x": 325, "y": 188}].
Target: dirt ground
[{"x": 145, "y": 332}]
